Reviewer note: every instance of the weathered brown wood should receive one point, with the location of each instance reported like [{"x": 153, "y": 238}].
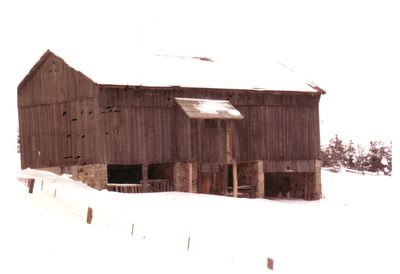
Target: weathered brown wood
[
  {"x": 199, "y": 155},
  {"x": 190, "y": 177},
  {"x": 270, "y": 263},
  {"x": 229, "y": 142},
  {"x": 152, "y": 186},
  {"x": 145, "y": 178},
  {"x": 89, "y": 215},
  {"x": 132, "y": 134},
  {"x": 235, "y": 179},
  {"x": 31, "y": 184},
  {"x": 73, "y": 121}
]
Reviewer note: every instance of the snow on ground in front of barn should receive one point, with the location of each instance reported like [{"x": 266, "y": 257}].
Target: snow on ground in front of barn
[{"x": 354, "y": 229}]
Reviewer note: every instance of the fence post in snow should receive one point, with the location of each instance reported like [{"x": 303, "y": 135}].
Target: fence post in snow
[
  {"x": 31, "y": 183},
  {"x": 89, "y": 216},
  {"x": 188, "y": 243},
  {"x": 270, "y": 263},
  {"x": 133, "y": 226}
]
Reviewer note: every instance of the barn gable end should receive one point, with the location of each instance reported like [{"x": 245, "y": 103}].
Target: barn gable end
[
  {"x": 52, "y": 80},
  {"x": 58, "y": 115}
]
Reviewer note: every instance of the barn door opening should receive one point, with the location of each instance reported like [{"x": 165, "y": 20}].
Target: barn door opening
[{"x": 287, "y": 185}]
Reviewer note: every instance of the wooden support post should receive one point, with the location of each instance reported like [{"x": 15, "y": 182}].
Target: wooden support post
[
  {"x": 31, "y": 184},
  {"x": 89, "y": 216},
  {"x": 133, "y": 226},
  {"x": 260, "y": 180},
  {"x": 235, "y": 179},
  {"x": 190, "y": 177},
  {"x": 229, "y": 142},
  {"x": 145, "y": 168},
  {"x": 38, "y": 159},
  {"x": 200, "y": 123}
]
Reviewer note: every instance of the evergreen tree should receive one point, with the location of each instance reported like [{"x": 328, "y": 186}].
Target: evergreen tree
[
  {"x": 337, "y": 151},
  {"x": 361, "y": 162},
  {"x": 334, "y": 154},
  {"x": 350, "y": 155},
  {"x": 378, "y": 158},
  {"x": 375, "y": 156}
]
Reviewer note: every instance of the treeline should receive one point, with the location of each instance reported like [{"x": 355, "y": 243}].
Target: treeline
[{"x": 376, "y": 158}]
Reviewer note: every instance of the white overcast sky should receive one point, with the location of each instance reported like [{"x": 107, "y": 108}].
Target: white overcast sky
[{"x": 349, "y": 48}]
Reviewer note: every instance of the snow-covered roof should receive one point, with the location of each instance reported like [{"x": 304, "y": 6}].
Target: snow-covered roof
[
  {"x": 208, "y": 109},
  {"x": 136, "y": 69}
]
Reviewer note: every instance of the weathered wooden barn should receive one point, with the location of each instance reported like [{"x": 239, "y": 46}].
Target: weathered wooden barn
[{"x": 259, "y": 142}]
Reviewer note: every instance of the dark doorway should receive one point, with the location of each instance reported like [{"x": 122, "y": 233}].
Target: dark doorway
[
  {"x": 124, "y": 174},
  {"x": 160, "y": 171},
  {"x": 277, "y": 184},
  {"x": 230, "y": 176},
  {"x": 287, "y": 185}
]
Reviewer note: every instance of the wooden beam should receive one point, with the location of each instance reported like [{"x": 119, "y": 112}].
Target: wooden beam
[
  {"x": 31, "y": 184},
  {"x": 260, "y": 180},
  {"x": 235, "y": 179},
  {"x": 199, "y": 154},
  {"x": 145, "y": 168},
  {"x": 89, "y": 215},
  {"x": 190, "y": 177},
  {"x": 229, "y": 142}
]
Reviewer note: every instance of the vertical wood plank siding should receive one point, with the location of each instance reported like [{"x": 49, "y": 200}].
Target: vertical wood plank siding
[
  {"x": 276, "y": 126},
  {"x": 73, "y": 121},
  {"x": 58, "y": 115}
]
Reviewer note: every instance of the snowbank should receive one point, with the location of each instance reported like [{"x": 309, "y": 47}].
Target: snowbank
[{"x": 353, "y": 230}]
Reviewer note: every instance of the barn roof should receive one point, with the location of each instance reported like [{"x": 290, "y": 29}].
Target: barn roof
[
  {"x": 164, "y": 70},
  {"x": 208, "y": 109}
]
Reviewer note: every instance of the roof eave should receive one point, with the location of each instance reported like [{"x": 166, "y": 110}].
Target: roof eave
[
  {"x": 316, "y": 87},
  {"x": 314, "y": 91}
]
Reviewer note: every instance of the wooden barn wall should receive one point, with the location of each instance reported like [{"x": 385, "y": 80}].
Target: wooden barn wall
[
  {"x": 208, "y": 141},
  {"x": 134, "y": 135},
  {"x": 143, "y": 124},
  {"x": 56, "y": 82},
  {"x": 58, "y": 116},
  {"x": 279, "y": 133}
]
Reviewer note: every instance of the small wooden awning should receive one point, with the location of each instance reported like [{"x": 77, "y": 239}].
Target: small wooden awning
[{"x": 208, "y": 109}]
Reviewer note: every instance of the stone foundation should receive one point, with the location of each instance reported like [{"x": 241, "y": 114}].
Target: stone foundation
[
  {"x": 298, "y": 185},
  {"x": 93, "y": 175},
  {"x": 252, "y": 174}
]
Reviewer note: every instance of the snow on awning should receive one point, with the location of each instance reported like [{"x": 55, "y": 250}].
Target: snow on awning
[{"x": 208, "y": 109}]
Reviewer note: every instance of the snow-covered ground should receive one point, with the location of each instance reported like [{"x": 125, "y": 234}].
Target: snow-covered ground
[{"x": 354, "y": 229}]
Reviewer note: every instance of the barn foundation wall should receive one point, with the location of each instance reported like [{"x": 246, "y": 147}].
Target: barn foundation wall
[
  {"x": 297, "y": 185},
  {"x": 251, "y": 178},
  {"x": 181, "y": 177},
  {"x": 252, "y": 181},
  {"x": 93, "y": 175}
]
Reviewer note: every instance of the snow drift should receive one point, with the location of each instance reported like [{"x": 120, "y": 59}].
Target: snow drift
[{"x": 354, "y": 229}]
